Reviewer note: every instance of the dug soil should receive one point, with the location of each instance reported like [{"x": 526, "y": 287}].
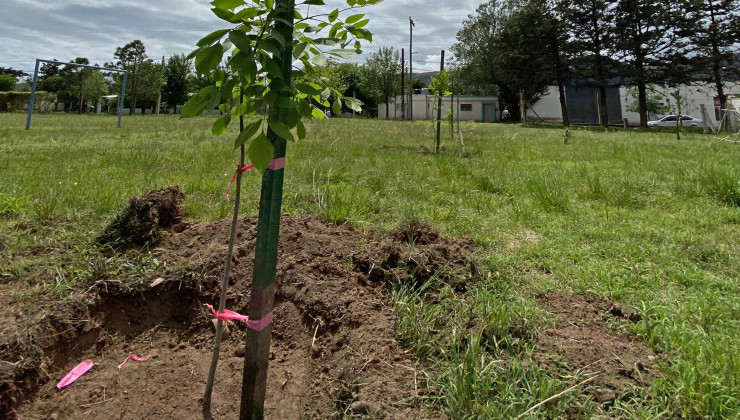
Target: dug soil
[
  {"x": 582, "y": 345},
  {"x": 333, "y": 354}
]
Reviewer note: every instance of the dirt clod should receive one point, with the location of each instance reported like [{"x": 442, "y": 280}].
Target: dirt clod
[{"x": 141, "y": 221}]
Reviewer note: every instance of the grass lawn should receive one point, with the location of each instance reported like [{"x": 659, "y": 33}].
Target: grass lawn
[{"x": 632, "y": 216}]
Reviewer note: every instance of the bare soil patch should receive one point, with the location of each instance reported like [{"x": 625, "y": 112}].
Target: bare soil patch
[
  {"x": 581, "y": 342},
  {"x": 333, "y": 353}
]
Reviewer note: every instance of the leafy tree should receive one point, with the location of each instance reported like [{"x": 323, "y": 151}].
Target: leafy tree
[
  {"x": 177, "y": 71},
  {"x": 379, "y": 76},
  {"x": 95, "y": 86},
  {"x": 131, "y": 57},
  {"x": 13, "y": 72},
  {"x": 151, "y": 79},
  {"x": 439, "y": 88},
  {"x": 476, "y": 71},
  {"x": 591, "y": 32},
  {"x": 7, "y": 82},
  {"x": 528, "y": 54},
  {"x": 656, "y": 102},
  {"x": 48, "y": 70},
  {"x": 74, "y": 81},
  {"x": 646, "y": 36},
  {"x": 713, "y": 39},
  {"x": 53, "y": 83}
]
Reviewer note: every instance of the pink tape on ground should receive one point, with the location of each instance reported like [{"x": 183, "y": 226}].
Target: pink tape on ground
[
  {"x": 75, "y": 374},
  {"x": 228, "y": 317},
  {"x": 274, "y": 165},
  {"x": 135, "y": 358}
]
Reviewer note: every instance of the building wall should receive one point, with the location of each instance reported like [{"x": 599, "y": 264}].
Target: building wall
[{"x": 424, "y": 108}]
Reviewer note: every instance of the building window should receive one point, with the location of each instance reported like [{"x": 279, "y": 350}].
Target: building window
[{"x": 466, "y": 107}]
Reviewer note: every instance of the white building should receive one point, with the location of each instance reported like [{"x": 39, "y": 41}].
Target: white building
[
  {"x": 583, "y": 103},
  {"x": 466, "y": 108}
]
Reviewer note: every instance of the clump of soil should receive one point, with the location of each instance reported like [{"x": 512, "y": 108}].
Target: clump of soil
[
  {"x": 141, "y": 221},
  {"x": 581, "y": 342},
  {"x": 333, "y": 350}
]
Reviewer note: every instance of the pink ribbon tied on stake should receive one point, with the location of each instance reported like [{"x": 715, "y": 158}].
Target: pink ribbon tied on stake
[
  {"x": 75, "y": 374},
  {"x": 229, "y": 317},
  {"x": 274, "y": 166}
]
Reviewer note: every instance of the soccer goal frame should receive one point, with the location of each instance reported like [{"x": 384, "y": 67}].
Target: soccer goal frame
[{"x": 32, "y": 101}]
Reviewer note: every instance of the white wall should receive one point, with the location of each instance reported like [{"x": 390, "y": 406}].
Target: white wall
[
  {"x": 424, "y": 108},
  {"x": 692, "y": 97},
  {"x": 547, "y": 108}
]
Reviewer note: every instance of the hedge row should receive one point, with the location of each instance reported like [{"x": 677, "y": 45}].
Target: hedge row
[{"x": 13, "y": 101}]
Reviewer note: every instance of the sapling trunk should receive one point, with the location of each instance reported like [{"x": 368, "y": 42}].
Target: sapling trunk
[{"x": 224, "y": 285}]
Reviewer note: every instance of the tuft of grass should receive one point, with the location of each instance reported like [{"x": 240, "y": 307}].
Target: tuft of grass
[
  {"x": 548, "y": 191},
  {"x": 722, "y": 184}
]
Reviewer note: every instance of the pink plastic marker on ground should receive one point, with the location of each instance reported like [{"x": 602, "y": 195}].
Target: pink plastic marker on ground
[
  {"x": 135, "y": 358},
  {"x": 75, "y": 374}
]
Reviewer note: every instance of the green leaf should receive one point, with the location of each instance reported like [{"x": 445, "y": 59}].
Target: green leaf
[
  {"x": 269, "y": 4},
  {"x": 361, "y": 23},
  {"x": 317, "y": 114},
  {"x": 209, "y": 58},
  {"x": 319, "y": 59},
  {"x": 260, "y": 152},
  {"x": 315, "y": 2},
  {"x": 354, "y": 18},
  {"x": 245, "y": 65},
  {"x": 336, "y": 107},
  {"x": 333, "y": 15},
  {"x": 241, "y": 40},
  {"x": 212, "y": 37},
  {"x": 353, "y": 104},
  {"x": 223, "y": 14},
  {"x": 301, "y": 131},
  {"x": 249, "y": 131},
  {"x": 197, "y": 103},
  {"x": 271, "y": 46},
  {"x": 278, "y": 127},
  {"x": 272, "y": 67},
  {"x": 227, "y": 4},
  {"x": 307, "y": 89},
  {"x": 220, "y": 125}
]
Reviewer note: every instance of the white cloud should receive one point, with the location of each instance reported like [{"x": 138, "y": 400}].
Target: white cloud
[{"x": 65, "y": 29}]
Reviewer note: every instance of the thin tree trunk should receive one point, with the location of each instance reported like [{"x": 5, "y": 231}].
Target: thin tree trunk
[{"x": 224, "y": 285}]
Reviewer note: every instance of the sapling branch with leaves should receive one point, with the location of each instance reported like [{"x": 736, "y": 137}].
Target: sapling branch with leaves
[
  {"x": 439, "y": 88},
  {"x": 267, "y": 46}
]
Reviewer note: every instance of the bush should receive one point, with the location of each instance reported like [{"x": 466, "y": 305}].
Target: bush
[
  {"x": 13, "y": 101},
  {"x": 7, "y": 83}
]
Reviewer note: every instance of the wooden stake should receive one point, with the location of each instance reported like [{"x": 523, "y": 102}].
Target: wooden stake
[
  {"x": 439, "y": 102},
  {"x": 256, "y": 360}
]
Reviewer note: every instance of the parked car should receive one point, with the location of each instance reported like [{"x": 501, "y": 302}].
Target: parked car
[{"x": 670, "y": 121}]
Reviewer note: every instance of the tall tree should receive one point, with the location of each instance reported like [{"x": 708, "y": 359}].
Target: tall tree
[
  {"x": 646, "y": 38},
  {"x": 590, "y": 29},
  {"x": 380, "y": 74},
  {"x": 131, "y": 57},
  {"x": 528, "y": 53},
  {"x": 95, "y": 86},
  {"x": 713, "y": 37},
  {"x": 13, "y": 72},
  {"x": 48, "y": 70},
  {"x": 476, "y": 71},
  {"x": 74, "y": 81},
  {"x": 177, "y": 71}
]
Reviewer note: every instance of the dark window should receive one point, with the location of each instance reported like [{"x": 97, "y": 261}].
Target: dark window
[
  {"x": 466, "y": 107},
  {"x": 686, "y": 118},
  {"x": 671, "y": 118}
]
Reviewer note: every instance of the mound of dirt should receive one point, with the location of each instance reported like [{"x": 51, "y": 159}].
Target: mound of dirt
[
  {"x": 141, "y": 221},
  {"x": 581, "y": 342},
  {"x": 333, "y": 354}
]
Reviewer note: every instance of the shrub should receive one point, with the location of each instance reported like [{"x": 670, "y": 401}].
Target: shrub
[
  {"x": 7, "y": 83},
  {"x": 13, "y": 101}
]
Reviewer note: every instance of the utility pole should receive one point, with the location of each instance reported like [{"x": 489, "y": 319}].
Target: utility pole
[
  {"x": 159, "y": 95},
  {"x": 403, "y": 85},
  {"x": 411, "y": 67}
]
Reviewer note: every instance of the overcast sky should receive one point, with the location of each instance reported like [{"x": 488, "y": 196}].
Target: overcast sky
[{"x": 65, "y": 29}]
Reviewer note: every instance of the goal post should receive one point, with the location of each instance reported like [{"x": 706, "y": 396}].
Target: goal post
[{"x": 32, "y": 100}]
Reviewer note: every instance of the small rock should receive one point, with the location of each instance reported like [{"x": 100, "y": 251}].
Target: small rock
[
  {"x": 157, "y": 282},
  {"x": 359, "y": 407}
]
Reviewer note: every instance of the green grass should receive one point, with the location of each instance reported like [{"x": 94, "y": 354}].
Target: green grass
[{"x": 634, "y": 216}]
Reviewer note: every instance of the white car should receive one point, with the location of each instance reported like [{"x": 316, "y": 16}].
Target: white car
[{"x": 670, "y": 121}]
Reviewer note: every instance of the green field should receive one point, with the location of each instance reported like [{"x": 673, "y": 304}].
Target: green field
[{"x": 636, "y": 217}]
